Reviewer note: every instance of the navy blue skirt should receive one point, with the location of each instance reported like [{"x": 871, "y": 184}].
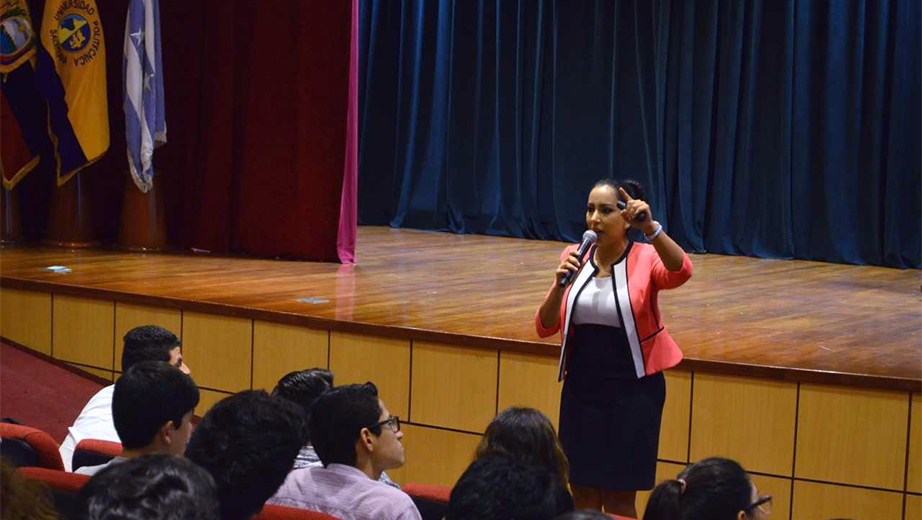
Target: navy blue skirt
[{"x": 609, "y": 420}]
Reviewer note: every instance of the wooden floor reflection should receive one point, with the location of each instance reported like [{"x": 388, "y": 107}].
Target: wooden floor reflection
[{"x": 798, "y": 320}]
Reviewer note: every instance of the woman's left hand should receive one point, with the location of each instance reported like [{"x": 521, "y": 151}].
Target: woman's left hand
[{"x": 633, "y": 208}]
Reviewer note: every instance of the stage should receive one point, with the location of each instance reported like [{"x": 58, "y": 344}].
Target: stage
[
  {"x": 779, "y": 319},
  {"x": 808, "y": 373}
]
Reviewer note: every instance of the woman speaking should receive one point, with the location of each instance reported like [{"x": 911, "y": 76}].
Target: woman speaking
[{"x": 614, "y": 348}]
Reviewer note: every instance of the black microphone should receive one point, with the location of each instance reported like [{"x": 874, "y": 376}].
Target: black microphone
[
  {"x": 589, "y": 238},
  {"x": 640, "y": 217}
]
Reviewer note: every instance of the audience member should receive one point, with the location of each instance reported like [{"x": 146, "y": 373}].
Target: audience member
[
  {"x": 528, "y": 436},
  {"x": 357, "y": 439},
  {"x": 144, "y": 343},
  {"x": 585, "y": 514},
  {"x": 710, "y": 489},
  {"x": 498, "y": 487},
  {"x": 248, "y": 442},
  {"x": 23, "y": 499},
  {"x": 152, "y": 409},
  {"x": 303, "y": 387},
  {"x": 152, "y": 487}
]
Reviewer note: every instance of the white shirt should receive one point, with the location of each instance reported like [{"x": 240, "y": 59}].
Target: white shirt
[
  {"x": 94, "y": 422},
  {"x": 344, "y": 492},
  {"x": 596, "y": 304}
]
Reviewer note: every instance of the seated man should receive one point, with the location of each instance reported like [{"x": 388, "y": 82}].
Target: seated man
[
  {"x": 497, "y": 487},
  {"x": 356, "y": 439},
  {"x": 248, "y": 442},
  {"x": 302, "y": 388},
  {"x": 144, "y": 343},
  {"x": 152, "y": 487},
  {"x": 152, "y": 409}
]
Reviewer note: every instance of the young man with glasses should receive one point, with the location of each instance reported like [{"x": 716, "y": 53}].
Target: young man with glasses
[{"x": 357, "y": 439}]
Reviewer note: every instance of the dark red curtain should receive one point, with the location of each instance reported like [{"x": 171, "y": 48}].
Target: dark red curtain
[{"x": 256, "y": 100}]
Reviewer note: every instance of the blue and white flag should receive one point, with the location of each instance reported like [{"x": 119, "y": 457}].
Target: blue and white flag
[{"x": 145, "y": 117}]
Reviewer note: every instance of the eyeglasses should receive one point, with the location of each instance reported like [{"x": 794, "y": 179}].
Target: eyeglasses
[
  {"x": 393, "y": 422},
  {"x": 764, "y": 503}
]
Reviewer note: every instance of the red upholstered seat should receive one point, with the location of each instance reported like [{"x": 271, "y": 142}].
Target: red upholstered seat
[
  {"x": 428, "y": 491},
  {"x": 33, "y": 446},
  {"x": 272, "y": 512},
  {"x": 56, "y": 479},
  {"x": 92, "y": 452}
]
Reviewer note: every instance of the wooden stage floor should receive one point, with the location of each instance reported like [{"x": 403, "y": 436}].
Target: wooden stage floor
[{"x": 780, "y": 319}]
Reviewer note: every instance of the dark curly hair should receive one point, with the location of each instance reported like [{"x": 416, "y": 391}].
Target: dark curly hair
[
  {"x": 302, "y": 388},
  {"x": 151, "y": 487},
  {"x": 147, "y": 343},
  {"x": 528, "y": 436},
  {"x": 248, "y": 442}
]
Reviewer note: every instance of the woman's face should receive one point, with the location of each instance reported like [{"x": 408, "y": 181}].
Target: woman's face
[{"x": 603, "y": 215}]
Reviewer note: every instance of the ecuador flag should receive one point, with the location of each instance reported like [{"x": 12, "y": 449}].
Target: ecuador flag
[
  {"x": 72, "y": 78},
  {"x": 22, "y": 128}
]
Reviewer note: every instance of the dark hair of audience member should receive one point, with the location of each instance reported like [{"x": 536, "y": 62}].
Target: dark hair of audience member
[
  {"x": 148, "y": 395},
  {"x": 248, "y": 442},
  {"x": 23, "y": 499},
  {"x": 528, "y": 436},
  {"x": 147, "y": 343},
  {"x": 497, "y": 487},
  {"x": 715, "y": 489},
  {"x": 584, "y": 514},
  {"x": 302, "y": 388},
  {"x": 337, "y": 419},
  {"x": 150, "y": 487}
]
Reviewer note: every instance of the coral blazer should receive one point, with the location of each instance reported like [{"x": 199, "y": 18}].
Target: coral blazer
[{"x": 637, "y": 278}]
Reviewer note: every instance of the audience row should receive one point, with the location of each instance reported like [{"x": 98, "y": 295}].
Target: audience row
[{"x": 327, "y": 448}]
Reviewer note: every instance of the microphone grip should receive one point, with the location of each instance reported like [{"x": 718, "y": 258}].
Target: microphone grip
[
  {"x": 581, "y": 253},
  {"x": 640, "y": 216}
]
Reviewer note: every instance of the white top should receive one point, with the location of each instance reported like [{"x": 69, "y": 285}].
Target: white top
[
  {"x": 596, "y": 304},
  {"x": 344, "y": 492},
  {"x": 94, "y": 422}
]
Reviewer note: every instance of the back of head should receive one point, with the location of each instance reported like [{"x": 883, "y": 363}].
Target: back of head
[
  {"x": 528, "y": 436},
  {"x": 710, "y": 489},
  {"x": 497, "y": 487},
  {"x": 248, "y": 442},
  {"x": 23, "y": 499},
  {"x": 337, "y": 418},
  {"x": 148, "y": 395},
  {"x": 584, "y": 514},
  {"x": 147, "y": 343},
  {"x": 302, "y": 388},
  {"x": 151, "y": 487}
]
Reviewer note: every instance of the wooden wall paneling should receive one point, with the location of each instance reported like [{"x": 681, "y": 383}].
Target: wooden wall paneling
[
  {"x": 105, "y": 374},
  {"x": 913, "y": 507},
  {"x": 279, "y": 349},
  {"x": 25, "y": 317},
  {"x": 748, "y": 420},
  {"x": 207, "y": 399},
  {"x": 818, "y": 501},
  {"x": 435, "y": 456},
  {"x": 664, "y": 471},
  {"x": 914, "y": 480},
  {"x": 453, "y": 387},
  {"x": 218, "y": 350},
  {"x": 129, "y": 316},
  {"x": 530, "y": 380},
  {"x": 385, "y": 362},
  {"x": 673, "y": 435},
  {"x": 780, "y": 490},
  {"x": 852, "y": 436},
  {"x": 83, "y": 330}
]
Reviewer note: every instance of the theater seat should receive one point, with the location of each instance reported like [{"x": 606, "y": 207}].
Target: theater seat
[
  {"x": 64, "y": 486},
  {"x": 93, "y": 452},
  {"x": 273, "y": 512},
  {"x": 25, "y": 446},
  {"x": 431, "y": 500}
]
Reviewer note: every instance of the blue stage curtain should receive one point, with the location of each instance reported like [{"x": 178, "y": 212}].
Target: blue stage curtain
[{"x": 771, "y": 128}]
